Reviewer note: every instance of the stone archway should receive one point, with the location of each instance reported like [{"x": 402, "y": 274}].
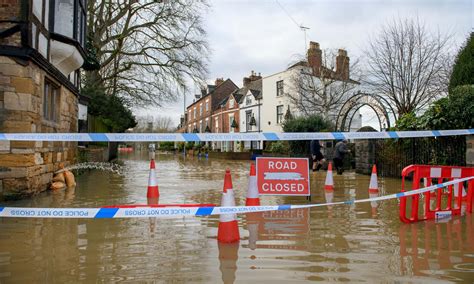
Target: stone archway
[{"x": 380, "y": 105}]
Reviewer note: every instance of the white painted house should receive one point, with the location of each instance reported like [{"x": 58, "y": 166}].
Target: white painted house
[
  {"x": 250, "y": 109},
  {"x": 277, "y": 88}
]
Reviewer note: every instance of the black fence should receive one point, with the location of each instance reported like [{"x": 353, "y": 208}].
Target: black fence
[{"x": 391, "y": 156}]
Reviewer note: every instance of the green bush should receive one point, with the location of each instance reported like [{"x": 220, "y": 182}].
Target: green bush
[
  {"x": 278, "y": 147},
  {"x": 463, "y": 68},
  {"x": 453, "y": 112},
  {"x": 180, "y": 146},
  {"x": 313, "y": 123},
  {"x": 166, "y": 146},
  {"x": 408, "y": 121},
  {"x": 109, "y": 110}
]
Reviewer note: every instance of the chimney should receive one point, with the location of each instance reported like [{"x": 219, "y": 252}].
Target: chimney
[
  {"x": 219, "y": 81},
  {"x": 315, "y": 58},
  {"x": 253, "y": 77},
  {"x": 342, "y": 65}
]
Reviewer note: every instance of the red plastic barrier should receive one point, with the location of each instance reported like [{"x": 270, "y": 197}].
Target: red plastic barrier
[{"x": 436, "y": 175}]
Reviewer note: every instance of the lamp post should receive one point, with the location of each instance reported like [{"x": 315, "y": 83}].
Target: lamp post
[{"x": 252, "y": 123}]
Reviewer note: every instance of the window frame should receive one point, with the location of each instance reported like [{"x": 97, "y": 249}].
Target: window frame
[
  {"x": 279, "y": 88},
  {"x": 279, "y": 116},
  {"x": 79, "y": 22},
  {"x": 248, "y": 117},
  {"x": 51, "y": 101}
]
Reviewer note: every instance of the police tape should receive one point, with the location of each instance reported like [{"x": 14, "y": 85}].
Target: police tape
[
  {"x": 170, "y": 212},
  {"x": 256, "y": 136}
]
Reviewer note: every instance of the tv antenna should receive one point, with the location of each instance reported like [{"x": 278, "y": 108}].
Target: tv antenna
[
  {"x": 304, "y": 29},
  {"x": 300, "y": 26}
]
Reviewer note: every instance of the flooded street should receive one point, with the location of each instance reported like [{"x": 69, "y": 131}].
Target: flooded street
[{"x": 347, "y": 243}]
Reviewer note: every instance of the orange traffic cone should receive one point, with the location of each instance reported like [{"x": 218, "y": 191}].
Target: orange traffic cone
[
  {"x": 329, "y": 184},
  {"x": 152, "y": 184},
  {"x": 228, "y": 231},
  {"x": 253, "y": 198},
  {"x": 374, "y": 185}
]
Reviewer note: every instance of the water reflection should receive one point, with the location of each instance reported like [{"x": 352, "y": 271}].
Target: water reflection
[
  {"x": 428, "y": 248},
  {"x": 354, "y": 243},
  {"x": 287, "y": 229},
  {"x": 228, "y": 256}
]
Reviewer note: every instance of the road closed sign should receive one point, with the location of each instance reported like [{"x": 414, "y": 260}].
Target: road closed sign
[{"x": 283, "y": 176}]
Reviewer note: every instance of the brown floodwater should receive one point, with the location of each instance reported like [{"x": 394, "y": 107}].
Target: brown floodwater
[{"x": 346, "y": 243}]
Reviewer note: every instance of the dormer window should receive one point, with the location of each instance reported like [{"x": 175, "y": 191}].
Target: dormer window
[{"x": 248, "y": 101}]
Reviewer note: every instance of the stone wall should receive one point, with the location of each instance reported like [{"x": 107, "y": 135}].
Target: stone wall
[
  {"x": 364, "y": 156},
  {"x": 26, "y": 167},
  {"x": 470, "y": 151}
]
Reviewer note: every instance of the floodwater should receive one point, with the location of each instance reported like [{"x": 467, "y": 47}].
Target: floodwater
[{"x": 346, "y": 243}]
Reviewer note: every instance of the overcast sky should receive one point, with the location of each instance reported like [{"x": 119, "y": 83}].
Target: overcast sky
[{"x": 262, "y": 35}]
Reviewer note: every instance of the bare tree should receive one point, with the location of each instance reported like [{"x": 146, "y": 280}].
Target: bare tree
[
  {"x": 323, "y": 92},
  {"x": 147, "y": 48},
  {"x": 408, "y": 64},
  {"x": 157, "y": 124}
]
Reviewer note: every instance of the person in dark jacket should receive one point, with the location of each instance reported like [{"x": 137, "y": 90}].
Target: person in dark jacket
[
  {"x": 340, "y": 152},
  {"x": 318, "y": 157}
]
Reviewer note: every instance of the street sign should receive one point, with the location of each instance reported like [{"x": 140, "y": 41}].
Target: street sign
[{"x": 283, "y": 176}]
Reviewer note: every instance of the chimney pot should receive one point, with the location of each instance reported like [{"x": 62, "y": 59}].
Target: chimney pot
[
  {"x": 219, "y": 81},
  {"x": 313, "y": 45},
  {"x": 342, "y": 65},
  {"x": 314, "y": 58},
  {"x": 342, "y": 52}
]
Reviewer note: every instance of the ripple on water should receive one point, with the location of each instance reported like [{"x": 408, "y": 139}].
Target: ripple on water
[{"x": 329, "y": 244}]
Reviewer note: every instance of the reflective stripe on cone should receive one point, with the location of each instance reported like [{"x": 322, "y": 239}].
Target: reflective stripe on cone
[
  {"x": 228, "y": 230},
  {"x": 329, "y": 184},
  {"x": 152, "y": 191}
]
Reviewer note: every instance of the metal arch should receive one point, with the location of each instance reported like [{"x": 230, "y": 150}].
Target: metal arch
[
  {"x": 379, "y": 104},
  {"x": 375, "y": 109}
]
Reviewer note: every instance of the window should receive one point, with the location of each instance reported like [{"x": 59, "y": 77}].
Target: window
[
  {"x": 217, "y": 124},
  {"x": 231, "y": 103},
  {"x": 200, "y": 127},
  {"x": 200, "y": 110},
  {"x": 248, "y": 118},
  {"x": 280, "y": 114},
  {"x": 64, "y": 17},
  {"x": 279, "y": 86},
  {"x": 70, "y": 19},
  {"x": 231, "y": 119},
  {"x": 207, "y": 106},
  {"x": 248, "y": 101},
  {"x": 194, "y": 112},
  {"x": 50, "y": 101}
]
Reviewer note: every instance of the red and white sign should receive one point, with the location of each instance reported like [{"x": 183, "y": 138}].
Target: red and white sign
[{"x": 283, "y": 176}]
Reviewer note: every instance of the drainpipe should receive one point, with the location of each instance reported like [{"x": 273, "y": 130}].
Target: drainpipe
[{"x": 259, "y": 121}]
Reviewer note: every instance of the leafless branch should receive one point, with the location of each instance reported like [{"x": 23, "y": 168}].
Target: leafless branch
[
  {"x": 148, "y": 48},
  {"x": 323, "y": 94},
  {"x": 408, "y": 64}
]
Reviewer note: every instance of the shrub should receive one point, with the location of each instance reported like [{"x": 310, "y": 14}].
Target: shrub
[
  {"x": 166, "y": 146},
  {"x": 313, "y": 123},
  {"x": 463, "y": 68}
]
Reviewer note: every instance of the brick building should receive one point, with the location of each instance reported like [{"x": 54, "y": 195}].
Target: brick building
[
  {"x": 41, "y": 51},
  {"x": 199, "y": 112},
  {"x": 226, "y": 119}
]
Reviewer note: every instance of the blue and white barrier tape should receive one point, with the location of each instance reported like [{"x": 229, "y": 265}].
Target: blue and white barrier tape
[
  {"x": 169, "y": 212},
  {"x": 190, "y": 137}
]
